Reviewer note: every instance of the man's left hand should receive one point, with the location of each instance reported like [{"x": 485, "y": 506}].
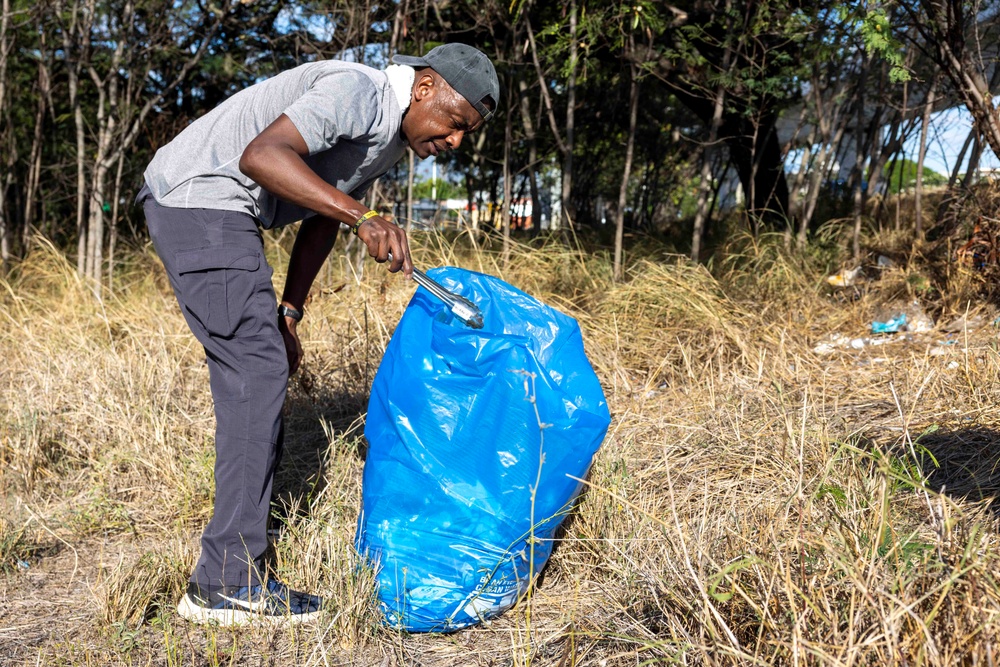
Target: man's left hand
[{"x": 293, "y": 348}]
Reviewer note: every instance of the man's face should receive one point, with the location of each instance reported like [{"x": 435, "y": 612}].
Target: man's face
[{"x": 438, "y": 118}]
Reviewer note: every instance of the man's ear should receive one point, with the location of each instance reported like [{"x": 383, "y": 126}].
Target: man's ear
[{"x": 423, "y": 87}]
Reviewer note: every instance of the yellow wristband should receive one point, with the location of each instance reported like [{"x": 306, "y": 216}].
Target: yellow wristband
[{"x": 366, "y": 216}]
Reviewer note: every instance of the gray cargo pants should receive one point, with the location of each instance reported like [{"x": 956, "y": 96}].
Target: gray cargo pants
[{"x": 215, "y": 261}]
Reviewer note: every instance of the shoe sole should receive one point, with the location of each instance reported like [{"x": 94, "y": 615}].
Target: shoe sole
[{"x": 195, "y": 613}]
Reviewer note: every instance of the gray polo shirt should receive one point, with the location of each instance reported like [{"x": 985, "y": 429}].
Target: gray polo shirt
[{"x": 347, "y": 114}]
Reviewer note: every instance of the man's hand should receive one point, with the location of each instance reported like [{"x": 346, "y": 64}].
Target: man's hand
[
  {"x": 384, "y": 239},
  {"x": 293, "y": 348}
]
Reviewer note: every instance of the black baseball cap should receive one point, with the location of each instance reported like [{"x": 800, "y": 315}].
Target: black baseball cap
[{"x": 466, "y": 69}]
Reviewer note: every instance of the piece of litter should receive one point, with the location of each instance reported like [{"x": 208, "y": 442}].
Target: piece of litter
[
  {"x": 953, "y": 365},
  {"x": 893, "y": 325},
  {"x": 845, "y": 278},
  {"x": 23, "y": 565},
  {"x": 963, "y": 324}
]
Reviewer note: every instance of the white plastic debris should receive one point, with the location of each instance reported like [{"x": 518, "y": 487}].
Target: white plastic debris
[
  {"x": 918, "y": 321},
  {"x": 845, "y": 277},
  {"x": 965, "y": 323}
]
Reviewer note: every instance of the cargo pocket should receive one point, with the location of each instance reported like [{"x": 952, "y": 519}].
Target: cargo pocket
[{"x": 216, "y": 283}]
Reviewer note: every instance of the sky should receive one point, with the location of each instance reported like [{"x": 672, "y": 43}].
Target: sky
[{"x": 948, "y": 130}]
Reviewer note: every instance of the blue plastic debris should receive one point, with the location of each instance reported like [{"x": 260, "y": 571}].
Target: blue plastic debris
[
  {"x": 897, "y": 323},
  {"x": 477, "y": 439}
]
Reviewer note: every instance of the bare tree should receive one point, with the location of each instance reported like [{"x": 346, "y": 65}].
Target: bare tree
[
  {"x": 119, "y": 114},
  {"x": 629, "y": 150},
  {"x": 954, "y": 33},
  {"x": 43, "y": 106},
  {"x": 74, "y": 29},
  {"x": 532, "y": 166},
  {"x": 705, "y": 180},
  {"x": 564, "y": 140},
  {"x": 6, "y": 141},
  {"x": 508, "y": 189},
  {"x": 925, "y": 121},
  {"x": 857, "y": 175},
  {"x": 831, "y": 121}
]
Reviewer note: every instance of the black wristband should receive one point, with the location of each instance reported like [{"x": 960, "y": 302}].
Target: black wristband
[{"x": 285, "y": 311}]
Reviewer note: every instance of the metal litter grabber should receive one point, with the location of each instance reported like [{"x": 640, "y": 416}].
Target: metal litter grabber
[{"x": 460, "y": 307}]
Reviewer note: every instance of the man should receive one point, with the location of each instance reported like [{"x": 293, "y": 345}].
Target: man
[{"x": 304, "y": 145}]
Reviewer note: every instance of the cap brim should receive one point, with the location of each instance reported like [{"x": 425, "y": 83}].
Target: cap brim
[{"x": 412, "y": 61}]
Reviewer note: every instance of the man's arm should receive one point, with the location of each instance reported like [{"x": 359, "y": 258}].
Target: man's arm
[
  {"x": 312, "y": 246},
  {"x": 274, "y": 161}
]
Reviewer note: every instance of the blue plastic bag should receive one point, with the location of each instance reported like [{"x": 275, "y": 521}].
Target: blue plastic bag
[
  {"x": 897, "y": 323},
  {"x": 456, "y": 449}
]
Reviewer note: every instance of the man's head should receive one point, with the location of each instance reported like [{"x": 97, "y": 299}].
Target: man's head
[{"x": 455, "y": 91}]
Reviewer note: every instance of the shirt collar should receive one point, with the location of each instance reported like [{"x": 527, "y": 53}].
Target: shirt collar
[{"x": 401, "y": 81}]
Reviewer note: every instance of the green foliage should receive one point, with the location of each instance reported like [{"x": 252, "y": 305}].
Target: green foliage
[
  {"x": 901, "y": 175},
  {"x": 445, "y": 189},
  {"x": 876, "y": 31}
]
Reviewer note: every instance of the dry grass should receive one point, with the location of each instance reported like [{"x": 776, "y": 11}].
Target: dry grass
[{"x": 754, "y": 503}]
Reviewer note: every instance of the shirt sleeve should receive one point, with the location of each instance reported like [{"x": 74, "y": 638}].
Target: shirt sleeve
[{"x": 337, "y": 106}]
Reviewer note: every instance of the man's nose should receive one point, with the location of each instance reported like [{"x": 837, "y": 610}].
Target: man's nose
[{"x": 454, "y": 139}]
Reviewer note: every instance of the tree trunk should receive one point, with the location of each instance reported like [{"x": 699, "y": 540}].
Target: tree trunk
[
  {"x": 705, "y": 182},
  {"x": 859, "y": 167},
  {"x": 831, "y": 132},
  {"x": 95, "y": 227},
  {"x": 794, "y": 196},
  {"x": 113, "y": 235},
  {"x": 77, "y": 52},
  {"x": 95, "y": 218},
  {"x": 529, "y": 134},
  {"x": 565, "y": 146},
  {"x": 507, "y": 185},
  {"x": 114, "y": 134},
  {"x": 35, "y": 156},
  {"x": 623, "y": 190},
  {"x": 758, "y": 159},
  {"x": 946, "y": 207},
  {"x": 945, "y": 29},
  {"x": 108, "y": 104},
  {"x": 816, "y": 174},
  {"x": 918, "y": 188},
  {"x": 973, "y": 166},
  {"x": 6, "y": 44},
  {"x": 566, "y": 196},
  {"x": 957, "y": 168},
  {"x": 81, "y": 179}
]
